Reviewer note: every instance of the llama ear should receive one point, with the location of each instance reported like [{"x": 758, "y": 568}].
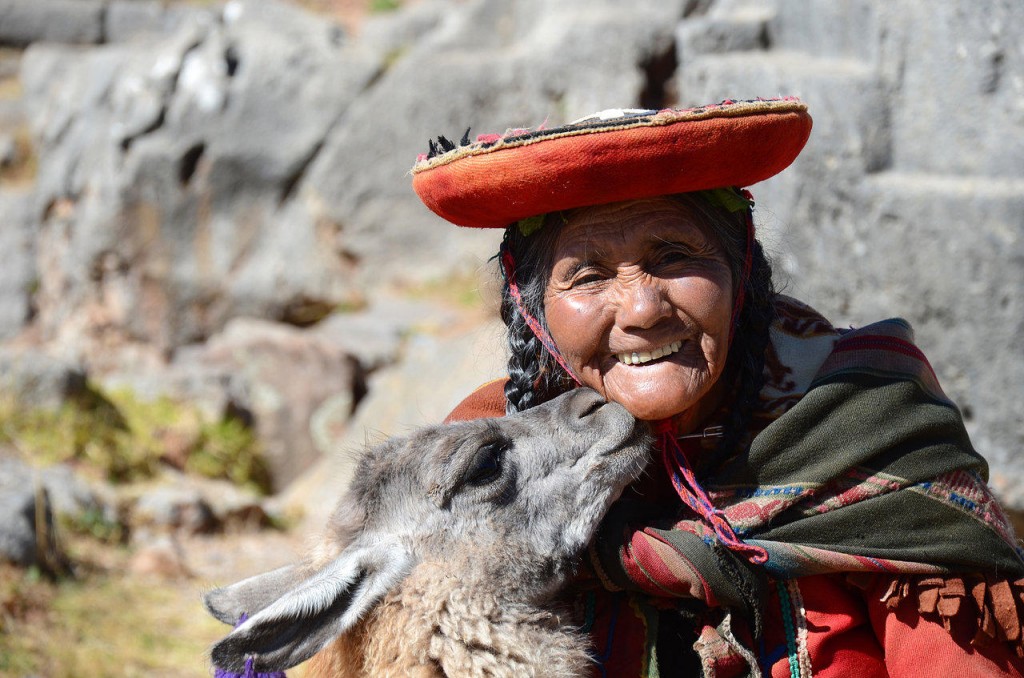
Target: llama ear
[
  {"x": 315, "y": 611},
  {"x": 251, "y": 595}
]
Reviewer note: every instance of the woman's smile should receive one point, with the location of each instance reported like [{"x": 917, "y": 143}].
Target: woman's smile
[{"x": 643, "y": 357}]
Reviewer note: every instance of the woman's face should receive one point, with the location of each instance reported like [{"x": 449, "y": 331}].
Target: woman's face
[{"x": 639, "y": 303}]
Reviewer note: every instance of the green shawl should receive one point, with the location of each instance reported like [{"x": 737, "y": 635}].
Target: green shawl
[{"x": 857, "y": 462}]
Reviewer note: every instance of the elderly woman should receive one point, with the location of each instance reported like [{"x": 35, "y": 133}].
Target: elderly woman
[{"x": 816, "y": 507}]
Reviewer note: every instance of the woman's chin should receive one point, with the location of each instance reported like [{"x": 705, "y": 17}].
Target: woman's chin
[{"x": 654, "y": 394}]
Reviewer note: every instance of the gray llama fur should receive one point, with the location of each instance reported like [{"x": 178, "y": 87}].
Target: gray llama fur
[{"x": 447, "y": 554}]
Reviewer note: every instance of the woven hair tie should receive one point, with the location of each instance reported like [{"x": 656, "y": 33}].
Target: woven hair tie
[
  {"x": 693, "y": 495},
  {"x": 508, "y": 268}
]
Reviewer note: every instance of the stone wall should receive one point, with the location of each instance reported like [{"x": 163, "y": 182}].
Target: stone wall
[
  {"x": 909, "y": 199},
  {"x": 197, "y": 165}
]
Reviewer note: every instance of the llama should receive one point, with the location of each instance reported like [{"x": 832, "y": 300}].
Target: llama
[{"x": 447, "y": 554}]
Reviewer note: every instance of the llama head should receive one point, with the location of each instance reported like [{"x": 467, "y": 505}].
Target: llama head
[{"x": 507, "y": 501}]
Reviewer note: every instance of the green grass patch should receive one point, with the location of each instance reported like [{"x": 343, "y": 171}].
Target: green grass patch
[
  {"x": 125, "y": 438},
  {"x": 95, "y": 524},
  {"x": 463, "y": 289},
  {"x": 228, "y": 449},
  {"x": 379, "y": 6}
]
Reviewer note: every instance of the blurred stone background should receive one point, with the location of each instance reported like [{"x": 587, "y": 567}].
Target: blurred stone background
[{"x": 208, "y": 206}]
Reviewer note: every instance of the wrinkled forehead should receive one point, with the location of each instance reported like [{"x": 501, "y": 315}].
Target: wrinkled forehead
[{"x": 593, "y": 230}]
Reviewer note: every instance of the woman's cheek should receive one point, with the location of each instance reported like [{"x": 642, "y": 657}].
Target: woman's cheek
[{"x": 574, "y": 320}]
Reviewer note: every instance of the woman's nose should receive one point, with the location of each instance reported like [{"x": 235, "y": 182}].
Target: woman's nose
[{"x": 643, "y": 305}]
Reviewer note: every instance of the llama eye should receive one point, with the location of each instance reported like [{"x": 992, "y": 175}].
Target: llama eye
[{"x": 486, "y": 465}]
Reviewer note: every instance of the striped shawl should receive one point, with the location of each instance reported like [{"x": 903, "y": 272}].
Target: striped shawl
[{"x": 857, "y": 463}]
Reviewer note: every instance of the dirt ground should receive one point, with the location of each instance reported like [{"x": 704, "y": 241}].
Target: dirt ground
[{"x": 129, "y": 612}]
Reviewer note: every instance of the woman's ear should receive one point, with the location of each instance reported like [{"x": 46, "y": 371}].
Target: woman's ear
[{"x": 307, "y": 614}]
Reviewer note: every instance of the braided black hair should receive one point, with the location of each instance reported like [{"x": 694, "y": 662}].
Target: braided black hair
[{"x": 534, "y": 377}]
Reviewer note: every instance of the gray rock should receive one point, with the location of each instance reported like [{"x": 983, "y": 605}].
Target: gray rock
[
  {"x": 374, "y": 336},
  {"x": 178, "y": 506},
  {"x": 36, "y": 380},
  {"x": 20, "y": 496},
  {"x": 8, "y": 150},
  {"x": 68, "y": 21},
  {"x": 846, "y": 30},
  {"x": 70, "y": 495},
  {"x": 235, "y": 509},
  {"x": 280, "y": 376},
  {"x": 743, "y": 30},
  {"x": 544, "y": 63},
  {"x": 395, "y": 32},
  {"x": 908, "y": 199},
  {"x": 974, "y": 125},
  {"x": 18, "y": 275},
  {"x": 183, "y": 181},
  {"x": 126, "y": 20},
  {"x": 182, "y": 212},
  {"x": 439, "y": 367},
  {"x": 12, "y": 115}
]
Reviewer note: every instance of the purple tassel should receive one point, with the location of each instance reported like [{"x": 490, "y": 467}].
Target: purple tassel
[{"x": 250, "y": 671}]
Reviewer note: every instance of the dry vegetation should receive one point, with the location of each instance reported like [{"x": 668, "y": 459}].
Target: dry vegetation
[
  {"x": 107, "y": 620},
  {"x": 102, "y": 624}
]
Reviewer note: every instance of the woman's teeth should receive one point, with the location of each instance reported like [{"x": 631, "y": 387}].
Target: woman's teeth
[{"x": 638, "y": 358}]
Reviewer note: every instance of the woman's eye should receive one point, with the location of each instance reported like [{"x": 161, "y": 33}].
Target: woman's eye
[
  {"x": 675, "y": 255},
  {"x": 586, "y": 279},
  {"x": 486, "y": 466}
]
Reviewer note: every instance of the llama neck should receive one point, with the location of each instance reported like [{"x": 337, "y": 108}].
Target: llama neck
[{"x": 444, "y": 624}]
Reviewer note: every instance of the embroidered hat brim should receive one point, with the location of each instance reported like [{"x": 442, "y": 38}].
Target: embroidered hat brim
[{"x": 496, "y": 181}]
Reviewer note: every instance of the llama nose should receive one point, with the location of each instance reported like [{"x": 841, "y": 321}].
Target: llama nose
[{"x": 584, "y": 403}]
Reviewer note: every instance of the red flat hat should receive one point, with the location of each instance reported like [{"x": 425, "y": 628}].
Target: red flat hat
[{"x": 610, "y": 157}]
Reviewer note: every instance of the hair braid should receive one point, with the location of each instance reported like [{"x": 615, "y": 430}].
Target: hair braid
[
  {"x": 523, "y": 360},
  {"x": 534, "y": 377},
  {"x": 748, "y": 350}
]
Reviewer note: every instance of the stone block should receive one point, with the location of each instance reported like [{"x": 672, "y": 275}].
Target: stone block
[
  {"x": 23, "y": 22},
  {"x": 143, "y": 19},
  {"x": 37, "y": 380},
  {"x": 21, "y": 497},
  {"x": 849, "y": 104},
  {"x": 18, "y": 273},
  {"x": 945, "y": 253},
  {"x": 957, "y": 68},
  {"x": 714, "y": 34},
  {"x": 844, "y": 29}
]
